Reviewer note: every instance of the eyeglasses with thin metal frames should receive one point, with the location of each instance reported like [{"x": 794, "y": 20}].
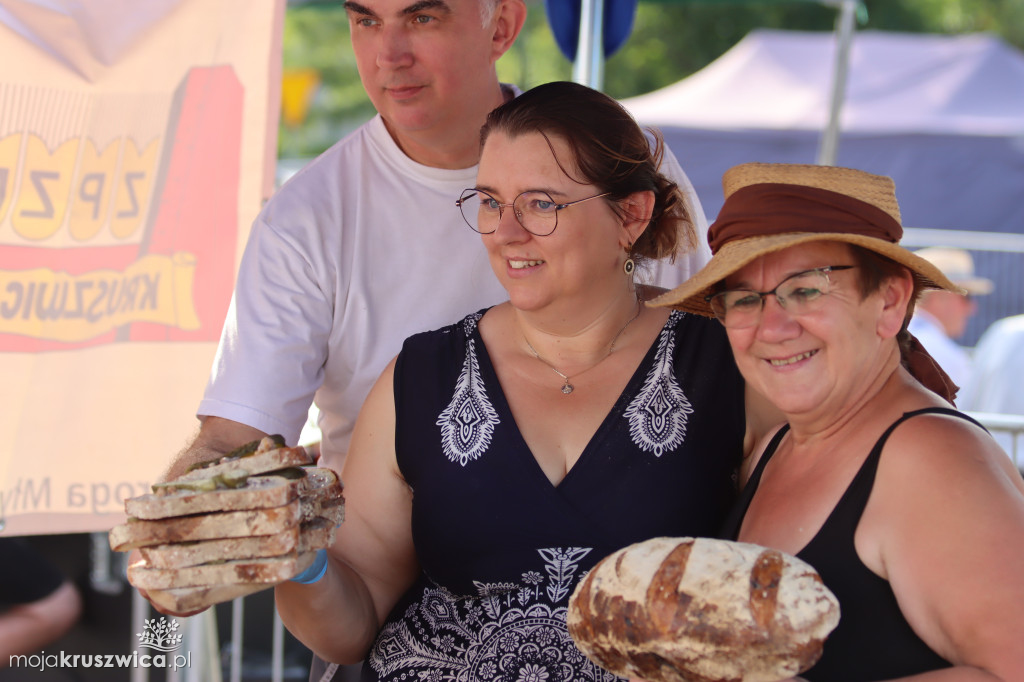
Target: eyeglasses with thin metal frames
[
  {"x": 520, "y": 212},
  {"x": 736, "y": 309}
]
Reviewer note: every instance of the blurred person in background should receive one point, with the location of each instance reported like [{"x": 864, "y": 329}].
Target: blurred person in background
[
  {"x": 997, "y": 379},
  {"x": 38, "y": 604},
  {"x": 940, "y": 316}
]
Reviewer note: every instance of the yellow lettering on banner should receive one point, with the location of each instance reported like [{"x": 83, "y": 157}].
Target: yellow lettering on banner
[
  {"x": 56, "y": 306},
  {"x": 91, "y": 194},
  {"x": 134, "y": 187},
  {"x": 9, "y": 147},
  {"x": 45, "y": 186}
]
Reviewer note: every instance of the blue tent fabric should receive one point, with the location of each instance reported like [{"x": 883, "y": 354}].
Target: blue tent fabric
[{"x": 564, "y": 19}]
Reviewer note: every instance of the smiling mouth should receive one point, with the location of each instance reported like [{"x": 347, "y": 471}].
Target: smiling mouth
[
  {"x": 520, "y": 264},
  {"x": 402, "y": 90},
  {"x": 792, "y": 359}
]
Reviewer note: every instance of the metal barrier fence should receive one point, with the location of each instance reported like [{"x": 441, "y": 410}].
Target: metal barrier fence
[{"x": 200, "y": 636}]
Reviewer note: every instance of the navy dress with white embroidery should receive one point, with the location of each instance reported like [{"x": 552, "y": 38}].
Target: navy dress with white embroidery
[{"x": 501, "y": 548}]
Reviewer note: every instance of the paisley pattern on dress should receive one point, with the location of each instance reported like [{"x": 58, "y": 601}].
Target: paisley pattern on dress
[
  {"x": 468, "y": 423},
  {"x": 659, "y": 412},
  {"x": 657, "y": 415},
  {"x": 509, "y": 632}
]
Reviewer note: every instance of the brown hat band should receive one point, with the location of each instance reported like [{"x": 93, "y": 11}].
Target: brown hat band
[{"x": 773, "y": 208}]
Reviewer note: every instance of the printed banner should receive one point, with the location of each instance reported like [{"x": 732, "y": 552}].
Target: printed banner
[{"x": 137, "y": 142}]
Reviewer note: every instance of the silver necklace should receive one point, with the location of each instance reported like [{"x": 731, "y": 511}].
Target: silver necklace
[{"x": 567, "y": 387}]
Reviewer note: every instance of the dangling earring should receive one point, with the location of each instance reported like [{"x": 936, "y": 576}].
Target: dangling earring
[{"x": 629, "y": 266}]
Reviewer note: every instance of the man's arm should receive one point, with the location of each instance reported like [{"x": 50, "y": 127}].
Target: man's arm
[{"x": 215, "y": 438}]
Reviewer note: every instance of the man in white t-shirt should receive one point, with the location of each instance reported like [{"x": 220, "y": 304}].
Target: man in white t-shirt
[
  {"x": 365, "y": 246},
  {"x": 940, "y": 317}
]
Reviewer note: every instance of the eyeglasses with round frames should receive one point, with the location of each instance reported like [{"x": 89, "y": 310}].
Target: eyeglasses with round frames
[
  {"x": 535, "y": 210},
  {"x": 798, "y": 294}
]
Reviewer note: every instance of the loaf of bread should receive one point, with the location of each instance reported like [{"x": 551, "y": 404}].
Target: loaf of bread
[{"x": 702, "y": 610}]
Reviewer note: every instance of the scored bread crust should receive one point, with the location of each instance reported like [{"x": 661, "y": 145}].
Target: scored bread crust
[{"x": 702, "y": 610}]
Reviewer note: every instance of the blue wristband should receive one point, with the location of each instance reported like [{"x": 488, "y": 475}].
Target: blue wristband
[{"x": 316, "y": 570}]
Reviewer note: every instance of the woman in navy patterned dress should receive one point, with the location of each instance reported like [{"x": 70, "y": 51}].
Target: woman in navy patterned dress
[{"x": 498, "y": 459}]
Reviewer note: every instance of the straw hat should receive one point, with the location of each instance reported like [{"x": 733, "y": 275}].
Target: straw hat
[{"x": 736, "y": 242}]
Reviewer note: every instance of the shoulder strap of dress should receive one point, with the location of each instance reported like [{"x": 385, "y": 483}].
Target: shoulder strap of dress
[
  {"x": 731, "y": 527},
  {"x": 851, "y": 505},
  {"x": 773, "y": 445},
  {"x": 948, "y": 411}
]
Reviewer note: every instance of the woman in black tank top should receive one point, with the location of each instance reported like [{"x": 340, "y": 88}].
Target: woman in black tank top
[{"x": 908, "y": 509}]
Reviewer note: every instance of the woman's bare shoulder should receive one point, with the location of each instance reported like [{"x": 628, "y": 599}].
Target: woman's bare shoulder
[{"x": 947, "y": 446}]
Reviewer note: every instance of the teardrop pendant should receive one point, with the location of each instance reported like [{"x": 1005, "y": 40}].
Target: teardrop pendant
[{"x": 567, "y": 388}]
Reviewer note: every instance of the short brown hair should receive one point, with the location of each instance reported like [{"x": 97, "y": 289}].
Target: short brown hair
[{"x": 873, "y": 269}]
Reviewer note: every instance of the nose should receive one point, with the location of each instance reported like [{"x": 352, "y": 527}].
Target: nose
[
  {"x": 776, "y": 324},
  {"x": 394, "y": 51},
  {"x": 509, "y": 229}
]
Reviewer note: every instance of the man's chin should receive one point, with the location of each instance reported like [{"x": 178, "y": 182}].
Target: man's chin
[{"x": 405, "y": 120}]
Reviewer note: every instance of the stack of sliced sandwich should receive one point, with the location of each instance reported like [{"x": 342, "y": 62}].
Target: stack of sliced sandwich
[{"x": 231, "y": 527}]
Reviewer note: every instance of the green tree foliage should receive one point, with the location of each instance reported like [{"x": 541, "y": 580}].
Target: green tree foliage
[
  {"x": 317, "y": 36},
  {"x": 671, "y": 39}
]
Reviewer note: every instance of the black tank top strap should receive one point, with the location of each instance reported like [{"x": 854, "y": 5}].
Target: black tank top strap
[
  {"x": 949, "y": 411},
  {"x": 731, "y": 527},
  {"x": 848, "y": 511},
  {"x": 769, "y": 450},
  {"x": 876, "y": 451},
  {"x": 852, "y": 504}
]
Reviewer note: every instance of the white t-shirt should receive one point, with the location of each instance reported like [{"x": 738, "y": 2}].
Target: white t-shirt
[
  {"x": 360, "y": 249},
  {"x": 995, "y": 384}
]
